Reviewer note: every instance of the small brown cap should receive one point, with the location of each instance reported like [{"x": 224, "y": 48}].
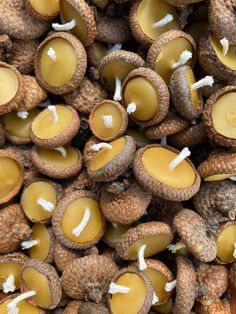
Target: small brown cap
[{"x": 37, "y": 15}]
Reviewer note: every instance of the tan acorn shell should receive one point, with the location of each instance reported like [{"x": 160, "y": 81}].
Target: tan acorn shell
[
  {"x": 88, "y": 277},
  {"x": 124, "y": 119},
  {"x": 58, "y": 215},
  {"x": 126, "y": 207},
  {"x": 117, "y": 165},
  {"x": 161, "y": 89},
  {"x": 171, "y": 124},
  {"x": 55, "y": 171},
  {"x": 79, "y": 73},
  {"x": 92, "y": 308},
  {"x": 201, "y": 244},
  {"x": 2, "y": 135},
  {"x": 208, "y": 121},
  {"x": 53, "y": 280},
  {"x": 73, "y": 307},
  {"x": 37, "y": 15},
  {"x": 140, "y": 232},
  {"x": 216, "y": 307},
  {"x": 87, "y": 15}
]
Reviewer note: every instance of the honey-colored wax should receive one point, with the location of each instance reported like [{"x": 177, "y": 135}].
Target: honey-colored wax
[
  {"x": 163, "y": 308},
  {"x": 132, "y": 301},
  {"x": 61, "y": 70},
  {"x": 8, "y": 181},
  {"x": 55, "y": 158},
  {"x": 73, "y": 216},
  {"x": 8, "y": 85},
  {"x": 7, "y": 269},
  {"x": 97, "y": 51},
  {"x": 194, "y": 94},
  {"x": 224, "y": 115},
  {"x": 40, "y": 251},
  {"x": 23, "y": 306},
  {"x": 114, "y": 232},
  {"x": 225, "y": 244},
  {"x": 45, "y": 7},
  {"x": 218, "y": 177},
  {"x": 156, "y": 160}
]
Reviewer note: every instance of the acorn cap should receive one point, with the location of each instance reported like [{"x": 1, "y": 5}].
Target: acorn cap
[
  {"x": 126, "y": 207},
  {"x": 92, "y": 308},
  {"x": 116, "y": 166},
  {"x": 216, "y": 307},
  {"x": 149, "y": 289},
  {"x": 228, "y": 243},
  {"x": 88, "y": 277},
  {"x": 171, "y": 124},
  {"x": 58, "y": 216},
  {"x": 185, "y": 287},
  {"x": 139, "y": 234},
  {"x": 2, "y": 136},
  {"x": 55, "y": 171},
  {"x": 208, "y": 90},
  {"x": 201, "y": 244},
  {"x": 158, "y": 188},
  {"x": 116, "y": 110},
  {"x": 209, "y": 123},
  {"x": 73, "y": 307},
  {"x": 50, "y": 273},
  {"x": 37, "y": 15},
  {"x": 80, "y": 69},
  {"x": 162, "y": 91}
]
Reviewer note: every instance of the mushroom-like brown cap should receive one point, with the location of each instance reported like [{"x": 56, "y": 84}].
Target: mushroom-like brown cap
[
  {"x": 73, "y": 307},
  {"x": 88, "y": 277},
  {"x": 194, "y": 233},
  {"x": 37, "y": 15},
  {"x": 185, "y": 287},
  {"x": 80, "y": 69}
]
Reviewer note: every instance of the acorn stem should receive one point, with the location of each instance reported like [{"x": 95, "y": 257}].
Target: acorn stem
[
  {"x": 9, "y": 284},
  {"x": 97, "y": 147},
  {"x": 155, "y": 298},
  {"x": 114, "y": 288},
  {"x": 184, "y": 57},
  {"x": 165, "y": 20},
  {"x": 141, "y": 261},
  {"x": 131, "y": 108},
  {"x": 115, "y": 47},
  {"x": 77, "y": 230},
  {"x": 22, "y": 114},
  {"x": 170, "y": 285},
  {"x": 46, "y": 205},
  {"x": 28, "y": 244},
  {"x": 117, "y": 94},
  {"x": 108, "y": 120},
  {"x": 164, "y": 140},
  {"x": 53, "y": 111},
  {"x": 61, "y": 150},
  {"x": 206, "y": 81},
  {"x": 185, "y": 152},
  {"x": 12, "y": 306},
  {"x": 175, "y": 247},
  {"x": 52, "y": 54},
  {"x": 64, "y": 27},
  {"x": 225, "y": 44}
]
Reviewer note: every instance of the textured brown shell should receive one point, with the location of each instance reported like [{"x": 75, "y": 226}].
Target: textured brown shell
[
  {"x": 208, "y": 122},
  {"x": 53, "y": 280},
  {"x": 88, "y": 277},
  {"x": 88, "y": 152},
  {"x": 124, "y": 118},
  {"x": 142, "y": 231},
  {"x": 185, "y": 288},
  {"x": 58, "y": 215},
  {"x": 2, "y": 136},
  {"x": 217, "y": 307},
  {"x": 15, "y": 257},
  {"x": 161, "y": 89},
  {"x": 53, "y": 171},
  {"x": 93, "y": 308},
  {"x": 37, "y": 15},
  {"x": 81, "y": 65},
  {"x": 117, "y": 165},
  {"x": 171, "y": 124},
  {"x": 201, "y": 244},
  {"x": 73, "y": 307},
  {"x": 207, "y": 91},
  {"x": 159, "y": 189}
]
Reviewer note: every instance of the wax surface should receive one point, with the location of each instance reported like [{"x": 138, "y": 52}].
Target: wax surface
[
  {"x": 194, "y": 95},
  {"x": 55, "y": 158},
  {"x": 225, "y": 244},
  {"x": 224, "y": 115},
  {"x": 7, "y": 181},
  {"x": 45, "y": 7},
  {"x": 218, "y": 177},
  {"x": 133, "y": 301},
  {"x": 24, "y": 307},
  {"x": 99, "y": 50},
  {"x": 41, "y": 250},
  {"x": 60, "y": 71},
  {"x": 163, "y": 308},
  {"x": 7, "y": 269},
  {"x": 8, "y": 85},
  {"x": 73, "y": 216},
  {"x": 145, "y": 96},
  {"x": 104, "y": 156},
  {"x": 114, "y": 233},
  {"x": 39, "y": 283}
]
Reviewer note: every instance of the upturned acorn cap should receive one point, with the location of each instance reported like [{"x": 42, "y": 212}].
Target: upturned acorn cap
[
  {"x": 2, "y": 135},
  {"x": 208, "y": 121},
  {"x": 88, "y": 277},
  {"x": 185, "y": 286},
  {"x": 50, "y": 274},
  {"x": 201, "y": 244},
  {"x": 58, "y": 216},
  {"x": 171, "y": 124},
  {"x": 54, "y": 170},
  {"x": 141, "y": 233},
  {"x": 31, "y": 10},
  {"x": 162, "y": 91},
  {"x": 80, "y": 69}
]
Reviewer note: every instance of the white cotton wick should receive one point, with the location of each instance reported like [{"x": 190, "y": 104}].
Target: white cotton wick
[
  {"x": 155, "y": 299},
  {"x": 97, "y": 147},
  {"x": 54, "y": 114},
  {"x": 185, "y": 152},
  {"x": 12, "y": 306},
  {"x": 165, "y": 20},
  {"x": 114, "y": 288},
  {"x": 22, "y": 114},
  {"x": 184, "y": 57},
  {"x": 234, "y": 253},
  {"x": 170, "y": 285},
  {"x": 206, "y": 81},
  {"x": 45, "y": 104},
  {"x": 77, "y": 230},
  {"x": 28, "y": 244},
  {"x": 117, "y": 95},
  {"x": 52, "y": 54},
  {"x": 64, "y": 27},
  {"x": 107, "y": 120},
  {"x": 175, "y": 247},
  {"x": 46, "y": 205},
  {"x": 141, "y": 261},
  {"x": 164, "y": 140},
  {"x": 61, "y": 150},
  {"x": 114, "y": 225},
  {"x": 233, "y": 178},
  {"x": 9, "y": 284},
  {"x": 131, "y": 108},
  {"x": 225, "y": 44},
  {"x": 114, "y": 48}
]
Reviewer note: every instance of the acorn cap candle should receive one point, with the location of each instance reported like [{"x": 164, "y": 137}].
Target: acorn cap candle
[
  {"x": 226, "y": 243},
  {"x": 56, "y": 51},
  {"x": 113, "y": 233},
  {"x": 145, "y": 91},
  {"x": 45, "y": 10}
]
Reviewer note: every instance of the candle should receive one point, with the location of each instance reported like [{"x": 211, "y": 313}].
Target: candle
[
  {"x": 24, "y": 307},
  {"x": 226, "y": 243},
  {"x": 114, "y": 232},
  {"x": 46, "y": 9},
  {"x": 9, "y": 268},
  {"x": 163, "y": 308}
]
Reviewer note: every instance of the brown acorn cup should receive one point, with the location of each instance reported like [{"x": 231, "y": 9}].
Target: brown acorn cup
[
  {"x": 58, "y": 215},
  {"x": 80, "y": 69},
  {"x": 162, "y": 91},
  {"x": 74, "y": 307},
  {"x": 37, "y": 15}
]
